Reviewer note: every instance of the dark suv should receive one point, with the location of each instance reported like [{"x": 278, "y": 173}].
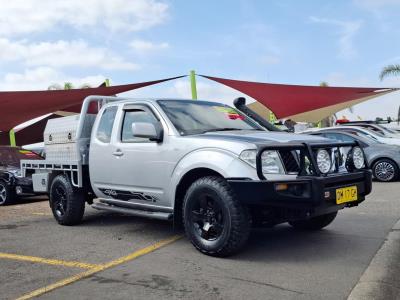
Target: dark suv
[{"x": 12, "y": 184}]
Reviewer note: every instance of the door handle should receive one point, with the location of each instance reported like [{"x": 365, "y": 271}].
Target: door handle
[{"x": 118, "y": 152}]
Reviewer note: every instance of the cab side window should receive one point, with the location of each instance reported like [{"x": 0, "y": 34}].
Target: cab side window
[
  {"x": 136, "y": 115},
  {"x": 106, "y": 124}
]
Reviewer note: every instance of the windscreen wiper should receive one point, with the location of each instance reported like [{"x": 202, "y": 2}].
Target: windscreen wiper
[{"x": 221, "y": 129}]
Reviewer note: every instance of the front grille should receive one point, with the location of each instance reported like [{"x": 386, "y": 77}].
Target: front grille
[{"x": 290, "y": 161}]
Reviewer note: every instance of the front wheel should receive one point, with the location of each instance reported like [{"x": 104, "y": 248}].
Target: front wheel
[
  {"x": 315, "y": 223},
  {"x": 7, "y": 195},
  {"x": 66, "y": 202},
  {"x": 385, "y": 170},
  {"x": 215, "y": 221}
]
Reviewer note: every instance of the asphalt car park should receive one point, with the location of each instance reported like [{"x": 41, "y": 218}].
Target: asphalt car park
[{"x": 117, "y": 256}]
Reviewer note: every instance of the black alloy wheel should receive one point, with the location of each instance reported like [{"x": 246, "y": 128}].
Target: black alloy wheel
[
  {"x": 59, "y": 196},
  {"x": 67, "y": 202},
  {"x": 207, "y": 217},
  {"x": 215, "y": 221}
]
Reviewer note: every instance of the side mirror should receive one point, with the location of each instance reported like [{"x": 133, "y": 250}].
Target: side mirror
[{"x": 146, "y": 130}]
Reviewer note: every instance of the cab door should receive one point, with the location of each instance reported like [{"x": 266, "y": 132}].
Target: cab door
[{"x": 143, "y": 166}]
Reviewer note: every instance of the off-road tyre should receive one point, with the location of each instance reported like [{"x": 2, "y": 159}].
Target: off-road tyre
[
  {"x": 7, "y": 194},
  {"x": 385, "y": 170},
  {"x": 315, "y": 223},
  {"x": 232, "y": 219},
  {"x": 67, "y": 203}
]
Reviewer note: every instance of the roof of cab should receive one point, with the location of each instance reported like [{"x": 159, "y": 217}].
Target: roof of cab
[{"x": 154, "y": 100}]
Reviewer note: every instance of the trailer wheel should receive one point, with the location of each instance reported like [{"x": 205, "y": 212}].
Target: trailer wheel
[
  {"x": 315, "y": 223},
  {"x": 7, "y": 194},
  {"x": 67, "y": 203},
  {"x": 215, "y": 221}
]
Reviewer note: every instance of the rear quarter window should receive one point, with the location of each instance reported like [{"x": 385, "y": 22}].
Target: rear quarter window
[{"x": 105, "y": 127}]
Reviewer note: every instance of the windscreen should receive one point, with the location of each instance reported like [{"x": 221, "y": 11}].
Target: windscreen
[
  {"x": 380, "y": 134},
  {"x": 195, "y": 117},
  {"x": 12, "y": 156}
]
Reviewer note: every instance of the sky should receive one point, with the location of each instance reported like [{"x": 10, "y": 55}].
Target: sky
[{"x": 344, "y": 43}]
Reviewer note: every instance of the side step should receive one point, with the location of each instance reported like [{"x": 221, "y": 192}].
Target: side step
[
  {"x": 138, "y": 206},
  {"x": 134, "y": 212}
]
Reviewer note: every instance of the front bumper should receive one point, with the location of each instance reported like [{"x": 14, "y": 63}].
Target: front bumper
[
  {"x": 305, "y": 196},
  {"x": 23, "y": 185}
]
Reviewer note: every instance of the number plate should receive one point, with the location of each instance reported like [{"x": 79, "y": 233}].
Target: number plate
[{"x": 347, "y": 194}]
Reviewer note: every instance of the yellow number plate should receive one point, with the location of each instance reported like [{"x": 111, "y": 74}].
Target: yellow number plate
[{"x": 346, "y": 194}]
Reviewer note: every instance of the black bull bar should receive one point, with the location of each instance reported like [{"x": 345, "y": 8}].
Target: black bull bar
[
  {"x": 311, "y": 192},
  {"x": 308, "y": 150}
]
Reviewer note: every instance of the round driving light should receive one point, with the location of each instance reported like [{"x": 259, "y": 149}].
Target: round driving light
[
  {"x": 324, "y": 161},
  {"x": 358, "y": 158}
]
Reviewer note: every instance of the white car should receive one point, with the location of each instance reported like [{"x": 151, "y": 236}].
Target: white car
[
  {"x": 380, "y": 129},
  {"x": 360, "y": 131}
]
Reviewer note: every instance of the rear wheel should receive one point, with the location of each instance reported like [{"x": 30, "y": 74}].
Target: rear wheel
[
  {"x": 7, "y": 195},
  {"x": 215, "y": 221},
  {"x": 315, "y": 223},
  {"x": 66, "y": 202},
  {"x": 385, "y": 170}
]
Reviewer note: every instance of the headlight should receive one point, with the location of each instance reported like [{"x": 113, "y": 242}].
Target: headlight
[
  {"x": 270, "y": 161},
  {"x": 324, "y": 161},
  {"x": 16, "y": 173},
  {"x": 358, "y": 158},
  {"x": 249, "y": 156}
]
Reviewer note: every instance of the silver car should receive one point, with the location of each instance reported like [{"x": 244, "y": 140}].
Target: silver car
[{"x": 204, "y": 165}]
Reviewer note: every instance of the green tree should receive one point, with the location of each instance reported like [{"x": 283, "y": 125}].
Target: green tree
[
  {"x": 390, "y": 70},
  {"x": 67, "y": 86},
  {"x": 328, "y": 121},
  {"x": 323, "y": 84}
]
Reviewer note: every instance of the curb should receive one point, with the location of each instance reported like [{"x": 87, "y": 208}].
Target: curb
[{"x": 381, "y": 280}]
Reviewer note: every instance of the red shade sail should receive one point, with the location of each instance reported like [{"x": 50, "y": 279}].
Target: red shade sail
[
  {"x": 20, "y": 106},
  {"x": 33, "y": 133},
  {"x": 302, "y": 103}
]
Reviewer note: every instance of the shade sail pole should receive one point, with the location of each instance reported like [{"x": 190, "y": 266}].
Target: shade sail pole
[
  {"x": 193, "y": 86},
  {"x": 13, "y": 142}
]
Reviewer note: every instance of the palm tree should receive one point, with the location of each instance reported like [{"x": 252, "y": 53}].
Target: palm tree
[{"x": 389, "y": 70}]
